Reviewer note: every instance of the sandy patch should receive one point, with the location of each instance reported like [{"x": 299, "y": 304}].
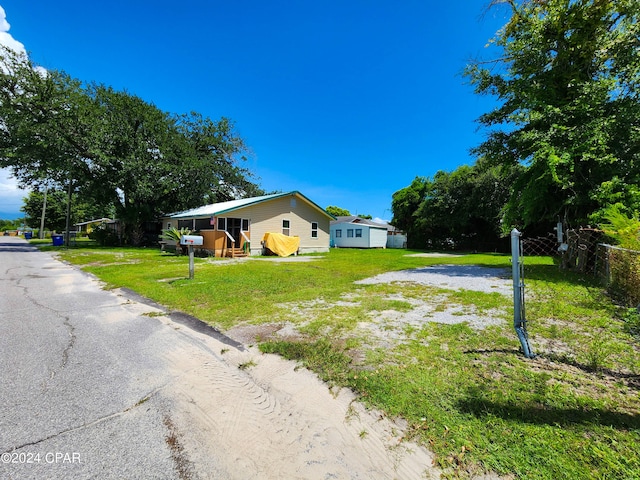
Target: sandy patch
[
  {"x": 390, "y": 327},
  {"x": 291, "y": 259},
  {"x": 261, "y": 416},
  {"x": 434, "y": 255},
  {"x": 236, "y": 413}
]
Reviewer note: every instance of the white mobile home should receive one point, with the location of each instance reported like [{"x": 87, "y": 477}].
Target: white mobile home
[{"x": 355, "y": 232}]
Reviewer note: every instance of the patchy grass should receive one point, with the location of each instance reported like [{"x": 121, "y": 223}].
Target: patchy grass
[
  {"x": 466, "y": 392},
  {"x": 79, "y": 242}
]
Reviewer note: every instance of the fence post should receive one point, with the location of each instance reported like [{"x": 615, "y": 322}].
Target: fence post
[{"x": 519, "y": 321}]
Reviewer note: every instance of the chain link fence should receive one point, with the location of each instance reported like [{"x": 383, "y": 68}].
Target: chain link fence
[
  {"x": 584, "y": 251},
  {"x": 619, "y": 270},
  {"x": 540, "y": 246},
  {"x": 578, "y": 253}
]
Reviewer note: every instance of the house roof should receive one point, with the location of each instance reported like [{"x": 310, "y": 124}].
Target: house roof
[
  {"x": 354, "y": 219},
  {"x": 97, "y": 220},
  {"x": 359, "y": 221},
  {"x": 221, "y": 208}
]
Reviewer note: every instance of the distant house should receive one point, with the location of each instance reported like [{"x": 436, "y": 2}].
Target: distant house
[
  {"x": 355, "y": 232},
  {"x": 396, "y": 238},
  {"x": 237, "y": 227},
  {"x": 91, "y": 224}
]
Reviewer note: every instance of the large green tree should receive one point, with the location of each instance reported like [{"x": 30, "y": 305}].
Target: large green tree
[
  {"x": 151, "y": 162},
  {"x": 566, "y": 82},
  {"x": 56, "y": 209},
  {"x": 461, "y": 209},
  {"x": 114, "y": 147},
  {"x": 405, "y": 205},
  {"x": 44, "y": 117}
]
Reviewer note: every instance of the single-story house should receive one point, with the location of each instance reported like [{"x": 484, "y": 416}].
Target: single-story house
[
  {"x": 356, "y": 232},
  {"x": 237, "y": 227},
  {"x": 91, "y": 224}
]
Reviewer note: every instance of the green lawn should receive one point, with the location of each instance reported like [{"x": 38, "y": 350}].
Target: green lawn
[{"x": 468, "y": 394}]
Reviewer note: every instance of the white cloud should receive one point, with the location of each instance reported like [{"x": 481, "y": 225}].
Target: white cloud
[{"x": 5, "y": 36}]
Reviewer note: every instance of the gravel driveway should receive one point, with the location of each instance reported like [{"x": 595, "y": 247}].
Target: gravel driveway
[
  {"x": 390, "y": 325},
  {"x": 456, "y": 277}
]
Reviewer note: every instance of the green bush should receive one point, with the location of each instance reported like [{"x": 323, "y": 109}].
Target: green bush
[
  {"x": 624, "y": 285},
  {"x": 173, "y": 235},
  {"x": 105, "y": 237}
]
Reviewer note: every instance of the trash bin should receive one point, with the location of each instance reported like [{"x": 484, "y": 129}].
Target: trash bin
[
  {"x": 58, "y": 240},
  {"x": 28, "y": 235}
]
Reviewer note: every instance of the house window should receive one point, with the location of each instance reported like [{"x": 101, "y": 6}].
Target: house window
[
  {"x": 338, "y": 233},
  {"x": 202, "y": 224},
  {"x": 350, "y": 232},
  {"x": 168, "y": 225},
  {"x": 314, "y": 229},
  {"x": 222, "y": 224},
  {"x": 358, "y": 233},
  {"x": 286, "y": 227},
  {"x": 245, "y": 224}
]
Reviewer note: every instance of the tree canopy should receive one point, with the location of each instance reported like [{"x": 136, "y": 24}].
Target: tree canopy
[
  {"x": 56, "y": 209},
  {"x": 337, "y": 211},
  {"x": 455, "y": 210},
  {"x": 114, "y": 146},
  {"x": 567, "y": 86}
]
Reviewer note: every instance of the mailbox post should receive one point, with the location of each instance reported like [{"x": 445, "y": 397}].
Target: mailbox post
[{"x": 190, "y": 241}]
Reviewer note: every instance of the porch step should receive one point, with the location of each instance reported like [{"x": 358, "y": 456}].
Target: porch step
[{"x": 236, "y": 252}]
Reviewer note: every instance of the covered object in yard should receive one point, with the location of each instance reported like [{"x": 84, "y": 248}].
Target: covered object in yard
[{"x": 281, "y": 245}]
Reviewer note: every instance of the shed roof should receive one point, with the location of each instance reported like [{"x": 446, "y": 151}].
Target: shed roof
[
  {"x": 97, "y": 220},
  {"x": 359, "y": 221},
  {"x": 216, "y": 209}
]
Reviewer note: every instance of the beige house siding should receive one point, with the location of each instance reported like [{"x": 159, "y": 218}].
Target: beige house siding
[
  {"x": 214, "y": 241},
  {"x": 268, "y": 216}
]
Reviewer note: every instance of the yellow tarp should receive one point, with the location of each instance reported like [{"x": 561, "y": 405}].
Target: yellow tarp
[{"x": 280, "y": 244}]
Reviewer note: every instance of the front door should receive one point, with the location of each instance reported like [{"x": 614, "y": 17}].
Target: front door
[{"x": 234, "y": 226}]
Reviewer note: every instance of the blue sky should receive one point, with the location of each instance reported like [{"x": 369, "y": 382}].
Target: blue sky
[{"x": 345, "y": 101}]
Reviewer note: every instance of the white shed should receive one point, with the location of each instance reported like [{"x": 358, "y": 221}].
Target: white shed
[{"x": 355, "y": 232}]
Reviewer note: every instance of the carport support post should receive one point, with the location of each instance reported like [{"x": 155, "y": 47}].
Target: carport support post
[
  {"x": 191, "y": 268},
  {"x": 519, "y": 321}
]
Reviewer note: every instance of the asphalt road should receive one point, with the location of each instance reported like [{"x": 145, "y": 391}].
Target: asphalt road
[{"x": 82, "y": 377}]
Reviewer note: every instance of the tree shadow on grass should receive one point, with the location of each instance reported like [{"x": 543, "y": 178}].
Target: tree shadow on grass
[
  {"x": 487, "y": 400},
  {"x": 631, "y": 379},
  {"x": 475, "y": 404}
]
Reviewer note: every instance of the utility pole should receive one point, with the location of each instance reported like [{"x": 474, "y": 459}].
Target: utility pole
[
  {"x": 44, "y": 208},
  {"x": 66, "y": 242}
]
